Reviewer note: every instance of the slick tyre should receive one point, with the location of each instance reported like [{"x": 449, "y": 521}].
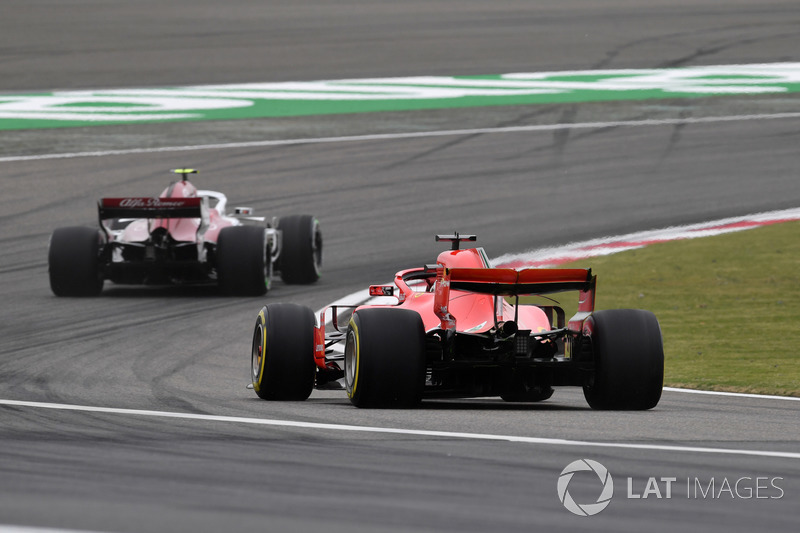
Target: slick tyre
[
  {"x": 282, "y": 356},
  {"x": 243, "y": 261},
  {"x": 300, "y": 259},
  {"x": 629, "y": 360},
  {"x": 74, "y": 262},
  {"x": 385, "y": 358}
]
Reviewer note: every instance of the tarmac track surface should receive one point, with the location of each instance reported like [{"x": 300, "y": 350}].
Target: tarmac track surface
[{"x": 185, "y": 350}]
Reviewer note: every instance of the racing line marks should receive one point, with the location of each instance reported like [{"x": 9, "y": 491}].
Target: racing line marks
[
  {"x": 399, "y": 431},
  {"x": 413, "y": 135}
]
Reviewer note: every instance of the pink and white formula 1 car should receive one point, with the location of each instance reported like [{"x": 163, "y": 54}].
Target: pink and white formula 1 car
[
  {"x": 457, "y": 328},
  {"x": 183, "y": 236}
]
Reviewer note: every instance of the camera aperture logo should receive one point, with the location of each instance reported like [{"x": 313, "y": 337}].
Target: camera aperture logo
[
  {"x": 586, "y": 509},
  {"x": 657, "y": 487}
]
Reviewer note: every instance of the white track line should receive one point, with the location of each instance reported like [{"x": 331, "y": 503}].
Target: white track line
[
  {"x": 31, "y": 529},
  {"x": 400, "y": 431},
  {"x": 734, "y": 394},
  {"x": 410, "y": 135}
]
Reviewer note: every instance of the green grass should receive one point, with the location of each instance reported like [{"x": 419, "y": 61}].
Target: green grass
[{"x": 729, "y": 306}]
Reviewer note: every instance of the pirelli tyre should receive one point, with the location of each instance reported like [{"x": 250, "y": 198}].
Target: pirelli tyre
[
  {"x": 629, "y": 360},
  {"x": 384, "y": 361},
  {"x": 243, "y": 261},
  {"x": 282, "y": 357},
  {"x": 300, "y": 260},
  {"x": 73, "y": 261}
]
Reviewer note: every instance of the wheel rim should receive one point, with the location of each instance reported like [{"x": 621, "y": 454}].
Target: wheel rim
[
  {"x": 257, "y": 353},
  {"x": 350, "y": 360}
]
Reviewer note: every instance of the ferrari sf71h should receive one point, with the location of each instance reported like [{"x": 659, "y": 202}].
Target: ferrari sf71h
[
  {"x": 184, "y": 236},
  {"x": 460, "y": 328}
]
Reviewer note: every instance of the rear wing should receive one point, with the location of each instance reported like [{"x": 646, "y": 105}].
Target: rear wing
[
  {"x": 151, "y": 208},
  {"x": 510, "y": 282}
]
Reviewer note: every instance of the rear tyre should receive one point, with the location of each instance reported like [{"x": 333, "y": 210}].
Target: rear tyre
[
  {"x": 243, "y": 261},
  {"x": 74, "y": 262},
  {"x": 384, "y": 364},
  {"x": 629, "y": 360},
  {"x": 301, "y": 249},
  {"x": 282, "y": 356}
]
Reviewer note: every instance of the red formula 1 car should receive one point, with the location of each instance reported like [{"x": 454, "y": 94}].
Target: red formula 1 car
[
  {"x": 183, "y": 236},
  {"x": 459, "y": 329}
]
